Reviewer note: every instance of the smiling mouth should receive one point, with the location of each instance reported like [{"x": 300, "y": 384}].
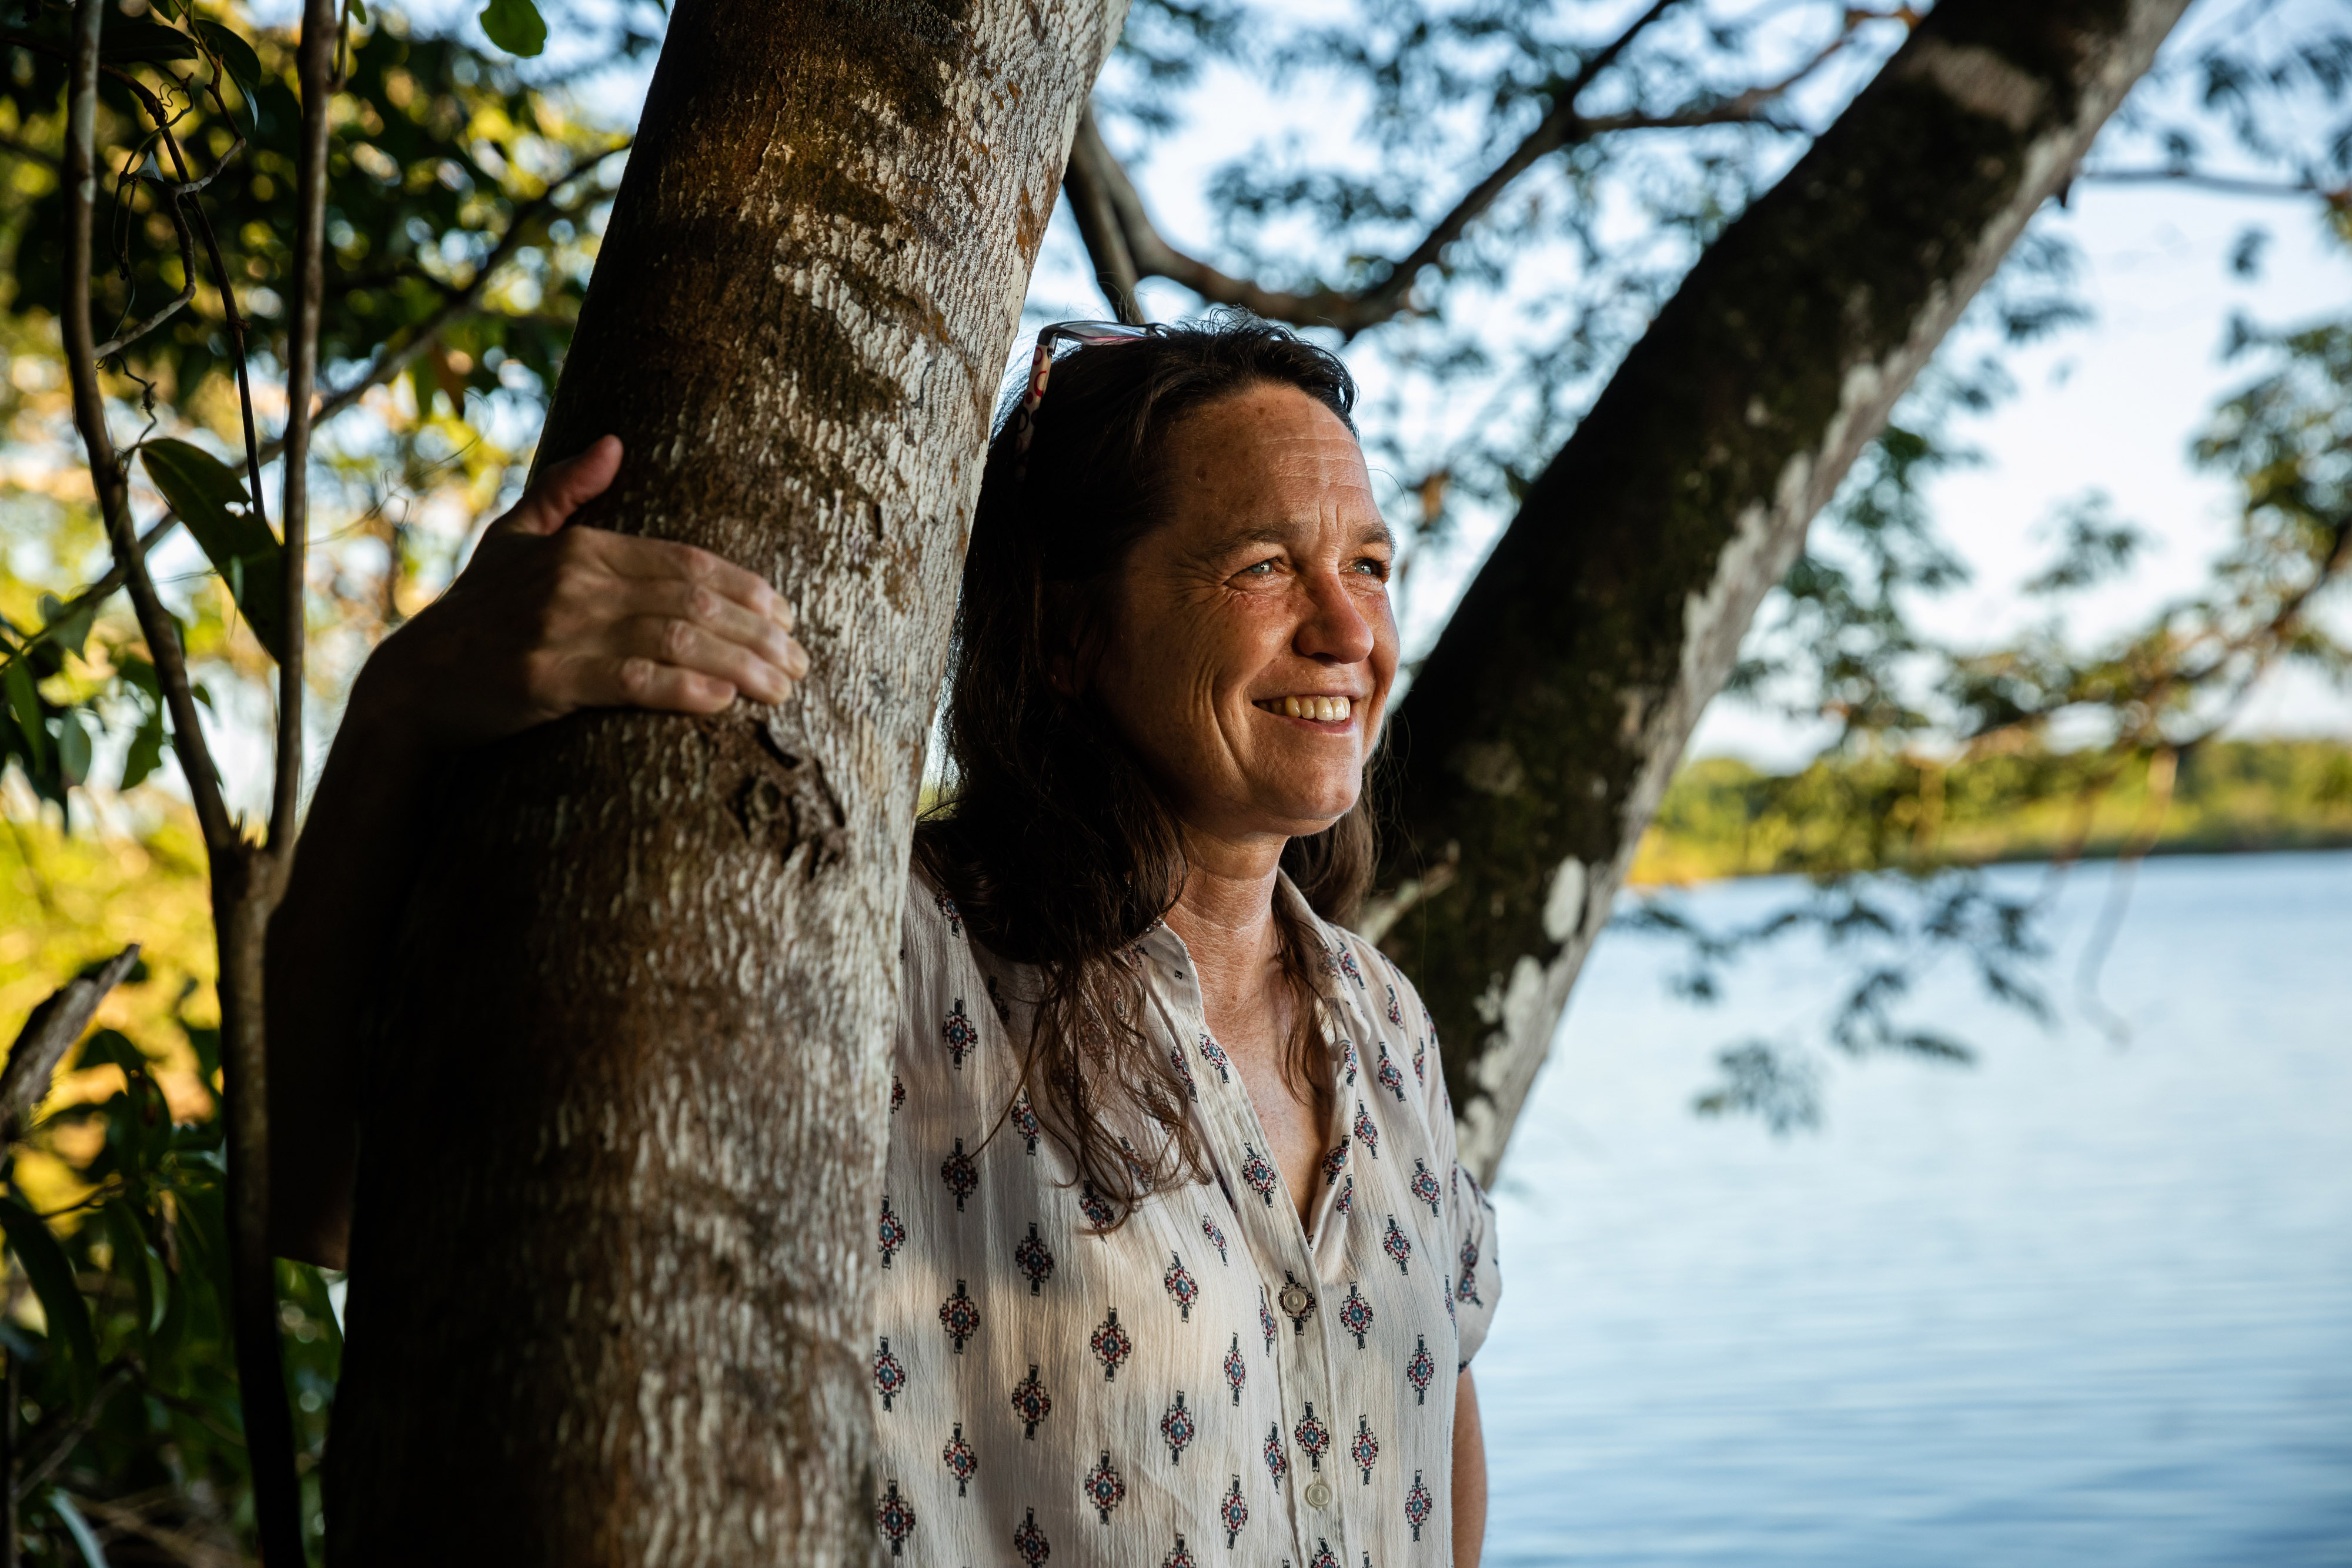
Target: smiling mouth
[{"x": 1322, "y": 710}]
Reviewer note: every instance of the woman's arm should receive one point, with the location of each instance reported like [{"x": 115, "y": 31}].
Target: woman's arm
[
  {"x": 545, "y": 621},
  {"x": 1469, "y": 1474}
]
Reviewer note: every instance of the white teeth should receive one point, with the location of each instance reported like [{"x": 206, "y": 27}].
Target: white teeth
[{"x": 1323, "y": 710}]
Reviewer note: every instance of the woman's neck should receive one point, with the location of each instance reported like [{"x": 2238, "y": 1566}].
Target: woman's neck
[{"x": 1225, "y": 918}]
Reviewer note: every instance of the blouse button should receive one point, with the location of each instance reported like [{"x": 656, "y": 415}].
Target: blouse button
[
  {"x": 1298, "y": 1301},
  {"x": 1319, "y": 1493}
]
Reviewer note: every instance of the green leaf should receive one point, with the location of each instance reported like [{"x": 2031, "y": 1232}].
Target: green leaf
[
  {"x": 236, "y": 56},
  {"x": 68, "y": 634},
  {"x": 24, "y": 702},
  {"x": 130, "y": 1243},
  {"x": 126, "y": 39},
  {"x": 515, "y": 25},
  {"x": 204, "y": 1216},
  {"x": 73, "y": 747},
  {"x": 203, "y": 489},
  {"x": 146, "y": 753},
  {"x": 53, "y": 1281},
  {"x": 359, "y": 12}
]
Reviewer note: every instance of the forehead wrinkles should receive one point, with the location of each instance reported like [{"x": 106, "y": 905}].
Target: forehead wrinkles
[
  {"x": 1299, "y": 499},
  {"x": 1269, "y": 465}
]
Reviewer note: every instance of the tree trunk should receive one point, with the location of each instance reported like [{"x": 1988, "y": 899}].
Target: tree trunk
[
  {"x": 1543, "y": 728},
  {"x": 624, "y": 1137}
]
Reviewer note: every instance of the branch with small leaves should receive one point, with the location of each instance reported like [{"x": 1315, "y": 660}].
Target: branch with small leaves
[{"x": 1126, "y": 246}]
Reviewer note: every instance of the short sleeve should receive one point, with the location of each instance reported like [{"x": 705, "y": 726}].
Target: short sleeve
[{"x": 1477, "y": 1279}]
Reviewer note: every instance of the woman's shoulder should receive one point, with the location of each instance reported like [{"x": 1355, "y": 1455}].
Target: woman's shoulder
[
  {"x": 938, "y": 956},
  {"x": 931, "y": 909}
]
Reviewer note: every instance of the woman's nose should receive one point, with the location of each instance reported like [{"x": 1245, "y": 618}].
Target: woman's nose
[{"x": 1334, "y": 627}]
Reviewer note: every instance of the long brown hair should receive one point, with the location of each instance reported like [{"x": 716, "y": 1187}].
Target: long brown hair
[{"x": 1055, "y": 840}]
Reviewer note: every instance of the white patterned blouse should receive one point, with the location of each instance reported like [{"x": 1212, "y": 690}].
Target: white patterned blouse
[{"x": 1207, "y": 1383}]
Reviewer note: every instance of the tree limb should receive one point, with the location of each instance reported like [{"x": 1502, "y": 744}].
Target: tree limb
[
  {"x": 2231, "y": 185},
  {"x": 106, "y": 469},
  {"x": 315, "y": 65},
  {"x": 1542, "y": 729},
  {"x": 1088, "y": 182},
  {"x": 244, "y": 903},
  {"x": 1125, "y": 243},
  {"x": 69, "y": 1429}
]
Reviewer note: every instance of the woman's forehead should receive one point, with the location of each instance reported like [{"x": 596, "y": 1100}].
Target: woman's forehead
[{"x": 1269, "y": 457}]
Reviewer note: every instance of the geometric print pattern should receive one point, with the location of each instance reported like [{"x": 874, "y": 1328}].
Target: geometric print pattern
[{"x": 1212, "y": 1381}]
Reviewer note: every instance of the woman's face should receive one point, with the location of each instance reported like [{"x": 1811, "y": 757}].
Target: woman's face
[{"x": 1252, "y": 653}]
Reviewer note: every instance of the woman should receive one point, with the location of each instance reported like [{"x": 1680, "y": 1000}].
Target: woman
[{"x": 1175, "y": 1250}]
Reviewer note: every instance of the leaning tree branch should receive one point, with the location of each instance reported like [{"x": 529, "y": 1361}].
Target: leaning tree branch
[
  {"x": 1089, "y": 181},
  {"x": 69, "y": 1429},
  {"x": 1543, "y": 728},
  {"x": 1126, "y": 246}
]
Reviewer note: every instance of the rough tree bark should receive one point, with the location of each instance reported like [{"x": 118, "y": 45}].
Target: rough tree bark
[
  {"x": 1541, "y": 730},
  {"x": 621, "y": 1163}
]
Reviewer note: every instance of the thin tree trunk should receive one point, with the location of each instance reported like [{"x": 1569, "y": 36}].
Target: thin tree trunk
[
  {"x": 1543, "y": 728},
  {"x": 624, "y": 1139}
]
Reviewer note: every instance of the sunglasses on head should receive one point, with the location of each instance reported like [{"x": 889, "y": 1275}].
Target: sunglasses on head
[{"x": 1086, "y": 335}]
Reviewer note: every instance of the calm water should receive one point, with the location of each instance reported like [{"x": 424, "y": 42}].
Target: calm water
[{"x": 2079, "y": 1304}]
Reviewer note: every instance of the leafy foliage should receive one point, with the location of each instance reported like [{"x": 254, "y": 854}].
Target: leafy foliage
[
  {"x": 464, "y": 205},
  {"x": 111, "y": 1207}
]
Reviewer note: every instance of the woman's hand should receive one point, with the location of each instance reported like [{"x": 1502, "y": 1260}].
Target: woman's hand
[{"x": 547, "y": 620}]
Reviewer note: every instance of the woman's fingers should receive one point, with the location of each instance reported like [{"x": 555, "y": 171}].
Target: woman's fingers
[
  {"x": 656, "y": 660},
  {"x": 638, "y": 681},
  {"x": 689, "y": 645},
  {"x": 675, "y": 599},
  {"x": 662, "y": 560}
]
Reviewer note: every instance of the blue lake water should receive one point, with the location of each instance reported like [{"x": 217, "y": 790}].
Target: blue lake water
[{"x": 2081, "y": 1304}]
